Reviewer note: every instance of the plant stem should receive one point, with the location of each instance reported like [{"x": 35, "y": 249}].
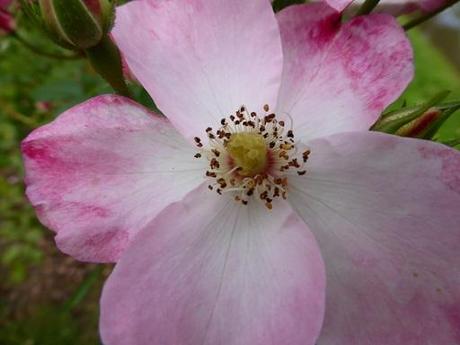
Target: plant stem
[
  {"x": 424, "y": 17},
  {"x": 367, "y": 7},
  {"x": 106, "y": 61},
  {"x": 38, "y": 51}
]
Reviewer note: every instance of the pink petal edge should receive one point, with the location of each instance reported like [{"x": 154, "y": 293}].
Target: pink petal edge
[
  {"x": 385, "y": 211},
  {"x": 201, "y": 60},
  {"x": 211, "y": 271},
  {"x": 102, "y": 170},
  {"x": 340, "y": 78}
]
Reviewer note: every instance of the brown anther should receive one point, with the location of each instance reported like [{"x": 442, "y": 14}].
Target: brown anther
[
  {"x": 198, "y": 155},
  {"x": 216, "y": 152},
  {"x": 294, "y": 163},
  {"x": 210, "y": 187},
  {"x": 290, "y": 134},
  {"x": 269, "y": 205},
  {"x": 197, "y": 140},
  {"x": 283, "y": 154},
  {"x": 272, "y": 144},
  {"x": 286, "y": 146},
  {"x": 269, "y": 118},
  {"x": 219, "y": 191},
  {"x": 244, "y": 202},
  {"x": 281, "y": 123},
  {"x": 210, "y": 174},
  {"x": 211, "y": 136},
  {"x": 266, "y": 107},
  {"x": 305, "y": 155},
  {"x": 253, "y": 114},
  {"x": 223, "y": 122},
  {"x": 214, "y": 164},
  {"x": 232, "y": 117},
  {"x": 209, "y": 129},
  {"x": 301, "y": 173}
]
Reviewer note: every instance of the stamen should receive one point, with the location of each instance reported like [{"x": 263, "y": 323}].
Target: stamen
[{"x": 251, "y": 156}]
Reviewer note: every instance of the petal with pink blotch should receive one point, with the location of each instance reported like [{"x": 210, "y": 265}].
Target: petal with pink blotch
[
  {"x": 340, "y": 78},
  {"x": 201, "y": 60},
  {"x": 102, "y": 170},
  {"x": 385, "y": 211},
  {"x": 212, "y": 271}
]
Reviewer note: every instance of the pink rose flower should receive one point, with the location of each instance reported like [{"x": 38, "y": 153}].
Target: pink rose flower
[
  {"x": 395, "y": 6},
  {"x": 216, "y": 214}
]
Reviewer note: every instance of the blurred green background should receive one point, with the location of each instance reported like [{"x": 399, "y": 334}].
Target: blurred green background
[{"x": 47, "y": 298}]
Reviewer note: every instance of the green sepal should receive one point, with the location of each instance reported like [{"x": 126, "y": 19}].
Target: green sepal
[{"x": 392, "y": 121}]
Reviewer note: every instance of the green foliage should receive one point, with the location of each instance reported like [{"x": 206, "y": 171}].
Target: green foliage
[{"x": 433, "y": 73}]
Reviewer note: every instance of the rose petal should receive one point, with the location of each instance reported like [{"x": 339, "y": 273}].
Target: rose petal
[
  {"x": 102, "y": 170},
  {"x": 339, "y": 5},
  {"x": 385, "y": 211},
  {"x": 340, "y": 78},
  {"x": 209, "y": 270},
  {"x": 202, "y": 60}
]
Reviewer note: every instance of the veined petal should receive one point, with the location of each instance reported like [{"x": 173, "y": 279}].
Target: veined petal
[
  {"x": 211, "y": 271},
  {"x": 385, "y": 211},
  {"x": 340, "y": 78},
  {"x": 104, "y": 169},
  {"x": 201, "y": 60}
]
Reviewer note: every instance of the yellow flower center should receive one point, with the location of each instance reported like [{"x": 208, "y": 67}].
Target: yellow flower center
[
  {"x": 252, "y": 157},
  {"x": 249, "y": 152}
]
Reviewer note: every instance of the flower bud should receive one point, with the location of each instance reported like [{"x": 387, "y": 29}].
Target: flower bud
[
  {"x": 420, "y": 126},
  {"x": 421, "y": 121},
  {"x": 77, "y": 24}
]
